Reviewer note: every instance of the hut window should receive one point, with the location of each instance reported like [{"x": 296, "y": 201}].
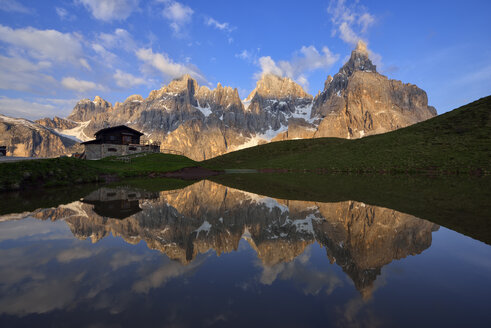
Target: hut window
[
  {"x": 112, "y": 138},
  {"x": 112, "y": 149}
]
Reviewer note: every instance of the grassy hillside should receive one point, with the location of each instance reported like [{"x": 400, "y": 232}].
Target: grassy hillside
[
  {"x": 461, "y": 203},
  {"x": 65, "y": 171},
  {"x": 457, "y": 141}
]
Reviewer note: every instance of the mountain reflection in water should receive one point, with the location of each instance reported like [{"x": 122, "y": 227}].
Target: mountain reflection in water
[
  {"x": 205, "y": 216},
  {"x": 209, "y": 255}
]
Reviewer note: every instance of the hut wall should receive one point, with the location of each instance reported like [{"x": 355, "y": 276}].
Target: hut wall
[{"x": 98, "y": 151}]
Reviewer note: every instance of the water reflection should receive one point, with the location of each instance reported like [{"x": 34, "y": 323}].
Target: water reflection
[
  {"x": 359, "y": 238},
  {"x": 233, "y": 258},
  {"x": 117, "y": 203}
]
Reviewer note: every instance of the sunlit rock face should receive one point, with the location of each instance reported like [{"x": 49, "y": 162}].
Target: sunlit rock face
[
  {"x": 358, "y": 101},
  {"x": 206, "y": 216},
  {"x": 57, "y": 123},
  {"x": 25, "y": 138},
  {"x": 86, "y": 109}
]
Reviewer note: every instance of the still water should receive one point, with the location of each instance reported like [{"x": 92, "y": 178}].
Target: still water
[{"x": 208, "y": 255}]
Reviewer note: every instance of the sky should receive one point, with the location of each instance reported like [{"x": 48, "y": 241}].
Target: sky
[{"x": 54, "y": 53}]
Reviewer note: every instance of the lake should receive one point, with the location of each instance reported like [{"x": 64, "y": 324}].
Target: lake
[{"x": 341, "y": 253}]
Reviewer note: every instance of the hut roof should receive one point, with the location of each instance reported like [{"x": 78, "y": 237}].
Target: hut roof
[{"x": 119, "y": 127}]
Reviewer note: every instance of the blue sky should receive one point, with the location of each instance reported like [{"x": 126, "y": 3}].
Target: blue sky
[{"x": 53, "y": 53}]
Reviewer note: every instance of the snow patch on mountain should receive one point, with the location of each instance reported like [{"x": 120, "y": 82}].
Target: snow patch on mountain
[
  {"x": 205, "y": 110},
  {"x": 22, "y": 121},
  {"x": 77, "y": 133},
  {"x": 304, "y": 112}
]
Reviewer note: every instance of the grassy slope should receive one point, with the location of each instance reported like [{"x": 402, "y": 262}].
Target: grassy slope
[
  {"x": 65, "y": 171},
  {"x": 460, "y": 203},
  {"x": 457, "y": 141}
]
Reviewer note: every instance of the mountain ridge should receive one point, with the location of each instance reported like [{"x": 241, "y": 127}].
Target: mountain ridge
[{"x": 204, "y": 123}]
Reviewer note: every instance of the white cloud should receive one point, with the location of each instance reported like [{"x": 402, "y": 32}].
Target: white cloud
[
  {"x": 245, "y": 55},
  {"x": 163, "y": 64},
  {"x": 120, "y": 39},
  {"x": 16, "y": 107},
  {"x": 307, "y": 59},
  {"x": 72, "y": 83},
  {"x": 84, "y": 63},
  {"x": 350, "y": 22},
  {"x": 61, "y": 12},
  {"x": 250, "y": 56},
  {"x": 14, "y": 6},
  {"x": 268, "y": 66},
  {"x": 107, "y": 56},
  {"x": 365, "y": 21},
  {"x": 45, "y": 44},
  {"x": 178, "y": 16},
  {"x": 127, "y": 80},
  {"x": 22, "y": 75},
  {"x": 221, "y": 26},
  {"x": 108, "y": 10},
  {"x": 64, "y": 14}
]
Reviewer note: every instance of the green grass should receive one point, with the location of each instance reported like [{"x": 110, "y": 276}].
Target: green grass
[
  {"x": 455, "y": 142},
  {"x": 151, "y": 163},
  {"x": 461, "y": 203},
  {"x": 69, "y": 171}
]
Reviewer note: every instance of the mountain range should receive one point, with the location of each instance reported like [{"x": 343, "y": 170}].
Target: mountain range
[
  {"x": 204, "y": 216},
  {"x": 203, "y": 123}
]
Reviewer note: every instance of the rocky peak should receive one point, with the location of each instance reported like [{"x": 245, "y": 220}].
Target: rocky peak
[
  {"x": 359, "y": 61},
  {"x": 98, "y": 101},
  {"x": 134, "y": 98},
  {"x": 358, "y": 101},
  {"x": 273, "y": 86},
  {"x": 57, "y": 123},
  {"x": 221, "y": 98},
  {"x": 87, "y": 109},
  {"x": 185, "y": 83},
  {"x": 328, "y": 82}
]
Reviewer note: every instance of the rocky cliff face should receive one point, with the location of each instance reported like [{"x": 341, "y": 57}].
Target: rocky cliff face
[
  {"x": 86, "y": 109},
  {"x": 275, "y": 101},
  {"x": 57, "y": 123},
  {"x": 25, "y": 138},
  {"x": 205, "y": 216},
  {"x": 203, "y": 123},
  {"x": 358, "y": 101}
]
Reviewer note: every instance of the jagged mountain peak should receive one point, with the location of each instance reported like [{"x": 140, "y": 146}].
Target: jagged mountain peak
[
  {"x": 134, "y": 98},
  {"x": 182, "y": 84},
  {"x": 86, "y": 109},
  {"x": 361, "y": 47},
  {"x": 186, "y": 82},
  {"x": 359, "y": 61},
  {"x": 274, "y": 86}
]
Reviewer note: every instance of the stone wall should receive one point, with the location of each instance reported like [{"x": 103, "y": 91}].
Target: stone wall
[{"x": 98, "y": 151}]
